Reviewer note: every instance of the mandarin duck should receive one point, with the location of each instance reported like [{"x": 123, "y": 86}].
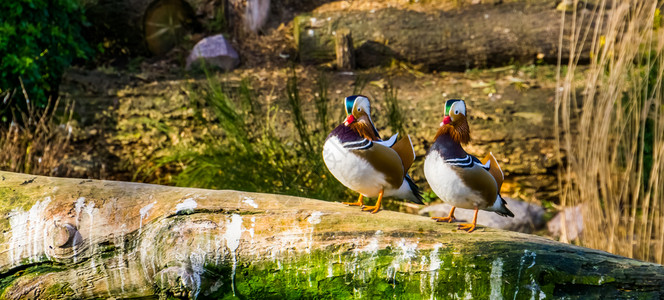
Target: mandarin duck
[
  {"x": 459, "y": 178},
  {"x": 357, "y": 157}
]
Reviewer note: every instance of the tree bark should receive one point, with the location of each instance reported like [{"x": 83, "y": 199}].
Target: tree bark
[
  {"x": 74, "y": 238},
  {"x": 482, "y": 35}
]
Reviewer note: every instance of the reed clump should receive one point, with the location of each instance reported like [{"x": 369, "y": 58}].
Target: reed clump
[{"x": 610, "y": 129}]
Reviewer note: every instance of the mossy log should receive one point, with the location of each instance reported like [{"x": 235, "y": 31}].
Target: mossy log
[
  {"x": 73, "y": 238},
  {"x": 482, "y": 35}
]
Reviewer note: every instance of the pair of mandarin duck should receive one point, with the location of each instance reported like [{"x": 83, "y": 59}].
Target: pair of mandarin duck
[{"x": 363, "y": 162}]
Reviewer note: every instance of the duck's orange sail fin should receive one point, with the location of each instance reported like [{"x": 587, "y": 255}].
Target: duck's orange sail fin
[
  {"x": 404, "y": 147},
  {"x": 494, "y": 169}
]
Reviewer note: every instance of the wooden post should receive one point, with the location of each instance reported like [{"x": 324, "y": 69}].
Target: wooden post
[{"x": 344, "y": 50}]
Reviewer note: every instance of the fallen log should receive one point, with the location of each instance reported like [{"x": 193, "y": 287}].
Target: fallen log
[
  {"x": 73, "y": 238},
  {"x": 139, "y": 26},
  {"x": 483, "y": 35}
]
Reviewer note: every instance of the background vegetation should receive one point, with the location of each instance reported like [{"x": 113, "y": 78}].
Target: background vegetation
[
  {"x": 251, "y": 152},
  {"x": 609, "y": 123},
  {"x": 39, "y": 39},
  {"x": 614, "y": 161}
]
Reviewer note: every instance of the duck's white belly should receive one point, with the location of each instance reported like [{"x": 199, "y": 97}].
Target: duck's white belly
[
  {"x": 351, "y": 170},
  {"x": 447, "y": 185}
]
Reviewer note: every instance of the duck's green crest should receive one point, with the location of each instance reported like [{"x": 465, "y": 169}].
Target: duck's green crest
[
  {"x": 350, "y": 101},
  {"x": 448, "y": 105}
]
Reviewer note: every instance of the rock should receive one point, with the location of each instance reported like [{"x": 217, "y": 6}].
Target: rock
[
  {"x": 213, "y": 51},
  {"x": 573, "y": 223},
  {"x": 528, "y": 217}
]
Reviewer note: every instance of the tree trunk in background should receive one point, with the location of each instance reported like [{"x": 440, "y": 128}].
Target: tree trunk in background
[
  {"x": 344, "y": 50},
  {"x": 138, "y": 26},
  {"x": 75, "y": 238},
  {"x": 482, "y": 35}
]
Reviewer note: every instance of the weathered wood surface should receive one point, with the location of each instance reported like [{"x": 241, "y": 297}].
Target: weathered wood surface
[
  {"x": 74, "y": 238},
  {"x": 482, "y": 35}
]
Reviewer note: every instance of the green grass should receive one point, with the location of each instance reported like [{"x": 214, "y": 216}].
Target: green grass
[{"x": 248, "y": 154}]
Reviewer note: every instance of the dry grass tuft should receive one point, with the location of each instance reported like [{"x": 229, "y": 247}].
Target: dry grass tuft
[
  {"x": 611, "y": 139},
  {"x": 37, "y": 140}
]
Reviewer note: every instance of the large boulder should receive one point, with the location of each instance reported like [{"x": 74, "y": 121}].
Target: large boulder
[
  {"x": 571, "y": 219},
  {"x": 528, "y": 217}
]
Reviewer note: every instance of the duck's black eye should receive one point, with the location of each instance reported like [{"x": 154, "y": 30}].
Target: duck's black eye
[
  {"x": 359, "y": 109},
  {"x": 456, "y": 112}
]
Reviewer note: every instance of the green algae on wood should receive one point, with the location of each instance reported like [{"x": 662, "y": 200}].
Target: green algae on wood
[{"x": 138, "y": 240}]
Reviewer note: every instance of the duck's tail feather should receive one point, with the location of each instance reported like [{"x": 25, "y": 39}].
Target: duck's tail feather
[
  {"x": 417, "y": 194},
  {"x": 501, "y": 208}
]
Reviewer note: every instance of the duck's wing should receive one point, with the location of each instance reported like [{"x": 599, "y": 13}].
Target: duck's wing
[
  {"x": 386, "y": 161},
  {"x": 494, "y": 168},
  {"x": 480, "y": 181},
  {"x": 404, "y": 147}
]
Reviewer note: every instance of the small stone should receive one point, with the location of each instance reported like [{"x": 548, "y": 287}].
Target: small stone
[{"x": 213, "y": 51}]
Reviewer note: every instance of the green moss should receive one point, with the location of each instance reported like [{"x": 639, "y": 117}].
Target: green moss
[
  {"x": 8, "y": 279},
  {"x": 57, "y": 291},
  {"x": 403, "y": 272},
  {"x": 326, "y": 275}
]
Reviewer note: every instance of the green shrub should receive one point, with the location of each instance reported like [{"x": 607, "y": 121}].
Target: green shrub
[{"x": 39, "y": 39}]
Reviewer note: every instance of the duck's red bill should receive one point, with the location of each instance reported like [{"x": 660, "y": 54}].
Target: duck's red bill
[
  {"x": 446, "y": 120},
  {"x": 350, "y": 119}
]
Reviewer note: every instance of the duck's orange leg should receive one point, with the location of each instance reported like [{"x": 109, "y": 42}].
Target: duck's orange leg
[
  {"x": 470, "y": 227},
  {"x": 450, "y": 218},
  {"x": 375, "y": 208},
  {"x": 358, "y": 203}
]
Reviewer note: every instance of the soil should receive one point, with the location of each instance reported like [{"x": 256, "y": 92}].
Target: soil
[{"x": 129, "y": 114}]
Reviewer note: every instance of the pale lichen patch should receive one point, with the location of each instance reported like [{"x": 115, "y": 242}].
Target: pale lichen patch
[
  {"x": 250, "y": 201},
  {"x": 78, "y": 206},
  {"x": 527, "y": 254},
  {"x": 315, "y": 218},
  {"x": 186, "y": 206},
  {"x": 145, "y": 213},
  {"x": 496, "y": 279},
  {"x": 28, "y": 232},
  {"x": 232, "y": 236}
]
